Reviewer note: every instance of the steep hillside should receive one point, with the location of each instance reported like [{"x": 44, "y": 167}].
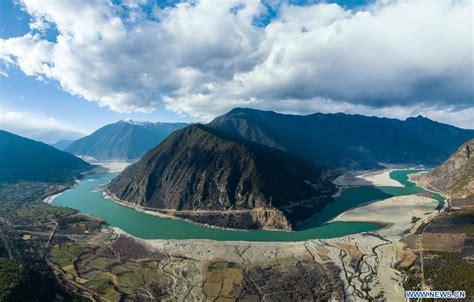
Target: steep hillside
[
  {"x": 124, "y": 140},
  {"x": 23, "y": 159},
  {"x": 211, "y": 179},
  {"x": 455, "y": 177},
  {"x": 341, "y": 140}
]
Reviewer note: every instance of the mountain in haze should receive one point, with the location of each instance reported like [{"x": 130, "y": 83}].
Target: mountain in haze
[
  {"x": 342, "y": 140},
  {"x": 455, "y": 177},
  {"x": 124, "y": 140},
  {"x": 23, "y": 159},
  {"x": 211, "y": 178},
  {"x": 62, "y": 144}
]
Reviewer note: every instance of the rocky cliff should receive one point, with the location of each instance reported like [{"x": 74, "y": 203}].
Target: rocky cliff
[
  {"x": 209, "y": 178},
  {"x": 455, "y": 177}
]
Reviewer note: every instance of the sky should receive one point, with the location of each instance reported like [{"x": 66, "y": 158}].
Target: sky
[{"x": 69, "y": 67}]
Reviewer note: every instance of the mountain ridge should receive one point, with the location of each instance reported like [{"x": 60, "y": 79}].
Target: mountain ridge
[
  {"x": 23, "y": 159},
  {"x": 339, "y": 139},
  {"x": 123, "y": 140}
]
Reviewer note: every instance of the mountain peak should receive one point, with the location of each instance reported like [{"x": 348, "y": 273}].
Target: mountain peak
[
  {"x": 138, "y": 123},
  {"x": 124, "y": 140},
  {"x": 243, "y": 110},
  {"x": 247, "y": 186},
  {"x": 418, "y": 118}
]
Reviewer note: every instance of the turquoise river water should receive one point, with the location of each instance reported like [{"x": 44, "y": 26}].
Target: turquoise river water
[{"x": 87, "y": 198}]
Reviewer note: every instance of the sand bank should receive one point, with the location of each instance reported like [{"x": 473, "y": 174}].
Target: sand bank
[
  {"x": 373, "y": 178},
  {"x": 51, "y": 198},
  {"x": 400, "y": 212},
  {"x": 109, "y": 166}
]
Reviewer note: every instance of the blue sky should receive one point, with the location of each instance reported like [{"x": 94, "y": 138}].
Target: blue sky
[
  {"x": 212, "y": 82},
  {"x": 19, "y": 92}
]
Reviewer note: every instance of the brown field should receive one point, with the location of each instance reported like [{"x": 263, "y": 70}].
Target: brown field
[{"x": 443, "y": 242}]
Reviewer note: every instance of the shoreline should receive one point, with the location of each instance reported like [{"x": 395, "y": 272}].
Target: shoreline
[
  {"x": 51, "y": 198},
  {"x": 397, "y": 211},
  {"x": 382, "y": 247},
  {"x": 431, "y": 190},
  {"x": 107, "y": 195},
  {"x": 110, "y": 196}
]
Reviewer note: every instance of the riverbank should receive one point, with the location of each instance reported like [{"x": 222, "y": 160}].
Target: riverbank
[
  {"x": 51, "y": 198},
  {"x": 160, "y": 213},
  {"x": 376, "y": 252},
  {"x": 399, "y": 212},
  {"x": 411, "y": 178}
]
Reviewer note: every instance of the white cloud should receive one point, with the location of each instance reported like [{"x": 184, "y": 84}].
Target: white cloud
[
  {"x": 203, "y": 58},
  {"x": 37, "y": 127}
]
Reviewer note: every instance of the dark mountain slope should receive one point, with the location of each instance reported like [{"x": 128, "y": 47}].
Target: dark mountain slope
[
  {"x": 23, "y": 159},
  {"x": 124, "y": 140},
  {"x": 208, "y": 178},
  {"x": 350, "y": 141}
]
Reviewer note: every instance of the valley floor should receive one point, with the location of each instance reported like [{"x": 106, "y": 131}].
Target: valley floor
[
  {"x": 364, "y": 263},
  {"x": 106, "y": 264}
]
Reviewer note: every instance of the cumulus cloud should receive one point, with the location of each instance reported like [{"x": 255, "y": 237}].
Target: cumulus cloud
[
  {"x": 203, "y": 58},
  {"x": 37, "y": 127}
]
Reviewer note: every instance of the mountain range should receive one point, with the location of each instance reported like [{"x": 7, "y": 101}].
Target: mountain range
[
  {"x": 124, "y": 140},
  {"x": 348, "y": 141},
  {"x": 261, "y": 169},
  {"x": 23, "y": 159}
]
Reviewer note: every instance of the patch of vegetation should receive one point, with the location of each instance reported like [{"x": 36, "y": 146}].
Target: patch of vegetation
[
  {"x": 216, "y": 267},
  {"x": 413, "y": 275},
  {"x": 28, "y": 277},
  {"x": 59, "y": 257},
  {"x": 464, "y": 213},
  {"x": 118, "y": 269},
  {"x": 99, "y": 282},
  {"x": 448, "y": 271},
  {"x": 3, "y": 250},
  {"x": 233, "y": 265},
  {"x": 132, "y": 278},
  {"x": 111, "y": 293},
  {"x": 10, "y": 274},
  {"x": 73, "y": 250},
  {"x": 101, "y": 263}
]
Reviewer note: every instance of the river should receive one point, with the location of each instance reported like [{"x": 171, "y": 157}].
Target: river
[{"x": 87, "y": 198}]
